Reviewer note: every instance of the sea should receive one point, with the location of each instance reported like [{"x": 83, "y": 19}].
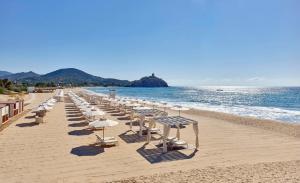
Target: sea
[{"x": 274, "y": 103}]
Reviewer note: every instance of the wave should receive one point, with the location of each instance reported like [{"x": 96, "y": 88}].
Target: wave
[
  {"x": 270, "y": 113},
  {"x": 282, "y": 104}
]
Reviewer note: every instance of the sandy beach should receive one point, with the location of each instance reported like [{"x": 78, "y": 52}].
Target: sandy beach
[{"x": 232, "y": 149}]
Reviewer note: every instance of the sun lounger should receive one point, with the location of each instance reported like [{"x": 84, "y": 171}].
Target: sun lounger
[
  {"x": 174, "y": 142},
  {"x": 178, "y": 143},
  {"x": 154, "y": 130},
  {"x": 107, "y": 141}
]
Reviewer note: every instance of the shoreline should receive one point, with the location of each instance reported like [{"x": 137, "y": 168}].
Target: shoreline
[
  {"x": 62, "y": 150},
  {"x": 291, "y": 129}
]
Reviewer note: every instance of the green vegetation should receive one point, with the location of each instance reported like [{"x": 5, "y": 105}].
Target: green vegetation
[
  {"x": 45, "y": 84},
  {"x": 6, "y": 86},
  {"x": 72, "y": 77},
  {"x": 2, "y": 90}
]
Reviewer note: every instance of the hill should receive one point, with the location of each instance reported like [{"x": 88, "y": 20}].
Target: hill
[
  {"x": 4, "y": 73},
  {"x": 76, "y": 77},
  {"x": 20, "y": 76},
  {"x": 151, "y": 81}
]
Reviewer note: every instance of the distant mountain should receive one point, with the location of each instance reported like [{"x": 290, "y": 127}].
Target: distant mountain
[
  {"x": 4, "y": 73},
  {"x": 75, "y": 77},
  {"x": 151, "y": 81},
  {"x": 20, "y": 76},
  {"x": 78, "y": 77}
]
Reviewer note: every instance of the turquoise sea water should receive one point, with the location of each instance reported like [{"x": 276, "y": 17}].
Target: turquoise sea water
[{"x": 278, "y": 103}]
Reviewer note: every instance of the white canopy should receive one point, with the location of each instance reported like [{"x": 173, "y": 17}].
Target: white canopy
[
  {"x": 103, "y": 124},
  {"x": 94, "y": 113},
  {"x": 179, "y": 108}
]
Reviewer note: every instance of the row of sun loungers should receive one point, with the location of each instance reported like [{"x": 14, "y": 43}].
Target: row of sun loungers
[
  {"x": 95, "y": 118},
  {"x": 42, "y": 109},
  {"x": 139, "y": 111}
]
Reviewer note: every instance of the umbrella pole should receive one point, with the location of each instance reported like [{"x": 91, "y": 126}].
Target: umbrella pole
[
  {"x": 103, "y": 133},
  {"x": 179, "y": 112}
]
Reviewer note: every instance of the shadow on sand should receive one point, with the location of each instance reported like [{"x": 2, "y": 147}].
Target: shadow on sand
[
  {"x": 76, "y": 119},
  {"x": 130, "y": 138},
  {"x": 91, "y": 150},
  {"x": 118, "y": 114},
  {"x": 156, "y": 156},
  {"x": 124, "y": 118},
  {"x": 135, "y": 123},
  {"x": 82, "y": 124},
  {"x": 30, "y": 117},
  {"x": 72, "y": 111},
  {"x": 80, "y": 132},
  {"x": 31, "y": 124},
  {"x": 74, "y": 115}
]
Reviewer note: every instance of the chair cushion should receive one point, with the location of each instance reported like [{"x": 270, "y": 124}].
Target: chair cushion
[{"x": 179, "y": 142}]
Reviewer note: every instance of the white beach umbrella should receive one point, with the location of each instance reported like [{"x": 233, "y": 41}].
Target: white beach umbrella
[
  {"x": 133, "y": 100},
  {"x": 52, "y": 100},
  {"x": 133, "y": 105},
  {"x": 142, "y": 101},
  {"x": 141, "y": 108},
  {"x": 47, "y": 107},
  {"x": 50, "y": 104},
  {"x": 164, "y": 105},
  {"x": 88, "y": 109},
  {"x": 103, "y": 124},
  {"x": 38, "y": 109},
  {"x": 94, "y": 113},
  {"x": 123, "y": 102},
  {"x": 179, "y": 108},
  {"x": 154, "y": 104}
]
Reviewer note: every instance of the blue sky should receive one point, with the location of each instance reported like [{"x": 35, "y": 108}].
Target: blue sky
[{"x": 186, "y": 42}]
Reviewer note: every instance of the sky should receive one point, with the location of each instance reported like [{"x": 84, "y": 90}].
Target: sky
[{"x": 185, "y": 42}]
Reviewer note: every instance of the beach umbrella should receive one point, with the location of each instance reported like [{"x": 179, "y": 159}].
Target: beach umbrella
[
  {"x": 103, "y": 124},
  {"x": 141, "y": 108},
  {"x": 154, "y": 104},
  {"x": 46, "y": 107},
  {"x": 179, "y": 108},
  {"x": 133, "y": 105},
  {"x": 50, "y": 104},
  {"x": 52, "y": 100},
  {"x": 40, "y": 108},
  {"x": 133, "y": 100},
  {"x": 94, "y": 113},
  {"x": 165, "y": 105},
  {"x": 142, "y": 101},
  {"x": 123, "y": 102}
]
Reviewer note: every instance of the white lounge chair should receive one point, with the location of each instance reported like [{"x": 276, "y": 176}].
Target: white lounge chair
[
  {"x": 178, "y": 143},
  {"x": 154, "y": 130},
  {"x": 107, "y": 141},
  {"x": 174, "y": 142}
]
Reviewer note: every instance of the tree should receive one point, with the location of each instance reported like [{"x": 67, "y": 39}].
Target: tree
[{"x": 5, "y": 83}]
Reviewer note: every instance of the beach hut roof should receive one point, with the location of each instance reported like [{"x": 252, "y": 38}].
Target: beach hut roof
[
  {"x": 175, "y": 120},
  {"x": 2, "y": 105},
  {"x": 10, "y": 102},
  {"x": 150, "y": 112}
]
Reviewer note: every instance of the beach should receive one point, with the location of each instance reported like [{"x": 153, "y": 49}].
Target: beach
[{"x": 232, "y": 149}]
